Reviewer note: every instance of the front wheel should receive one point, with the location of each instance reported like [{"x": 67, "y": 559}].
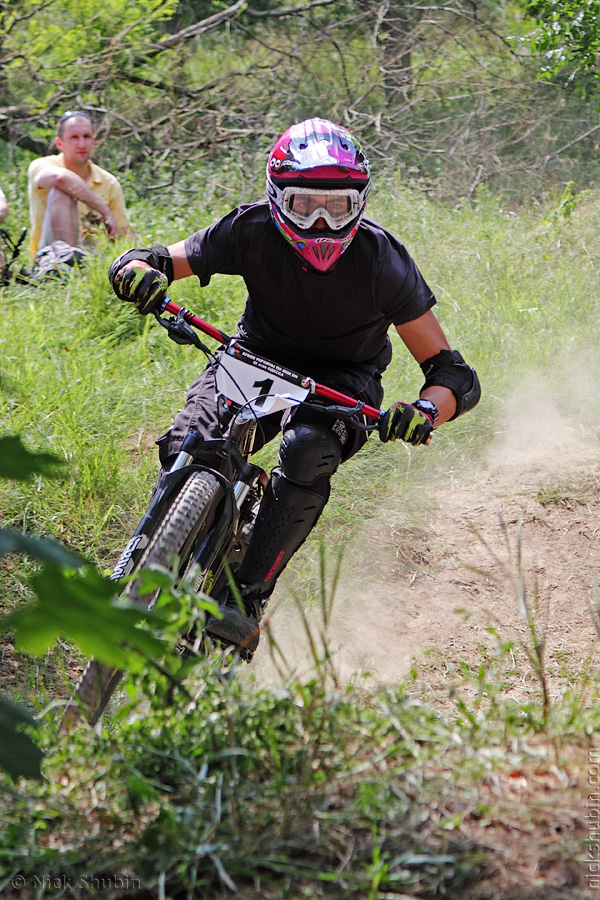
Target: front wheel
[{"x": 184, "y": 527}]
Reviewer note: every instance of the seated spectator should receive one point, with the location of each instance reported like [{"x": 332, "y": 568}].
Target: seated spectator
[{"x": 70, "y": 197}]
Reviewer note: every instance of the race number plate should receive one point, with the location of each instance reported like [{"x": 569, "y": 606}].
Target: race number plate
[{"x": 253, "y": 382}]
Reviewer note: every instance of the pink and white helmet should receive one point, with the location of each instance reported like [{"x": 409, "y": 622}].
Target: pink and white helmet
[{"x": 318, "y": 172}]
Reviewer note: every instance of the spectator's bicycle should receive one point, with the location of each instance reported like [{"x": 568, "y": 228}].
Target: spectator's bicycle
[
  {"x": 200, "y": 518},
  {"x": 9, "y": 250}
]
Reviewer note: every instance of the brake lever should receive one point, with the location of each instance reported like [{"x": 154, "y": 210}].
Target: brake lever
[
  {"x": 351, "y": 414},
  {"x": 180, "y": 332}
]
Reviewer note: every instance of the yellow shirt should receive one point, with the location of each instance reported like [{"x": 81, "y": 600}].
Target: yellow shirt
[{"x": 101, "y": 182}]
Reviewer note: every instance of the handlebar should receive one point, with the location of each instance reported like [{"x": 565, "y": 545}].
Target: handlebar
[{"x": 320, "y": 390}]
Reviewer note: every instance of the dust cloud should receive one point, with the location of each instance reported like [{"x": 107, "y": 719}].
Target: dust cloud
[
  {"x": 545, "y": 423},
  {"x": 441, "y": 597}
]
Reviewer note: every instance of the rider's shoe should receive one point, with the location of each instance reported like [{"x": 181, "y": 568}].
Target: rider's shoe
[{"x": 239, "y": 627}]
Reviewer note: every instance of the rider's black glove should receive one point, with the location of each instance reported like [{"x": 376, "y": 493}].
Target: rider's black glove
[
  {"x": 405, "y": 421},
  {"x": 146, "y": 288}
]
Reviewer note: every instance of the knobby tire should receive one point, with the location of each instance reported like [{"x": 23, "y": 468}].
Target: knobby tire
[{"x": 184, "y": 526}]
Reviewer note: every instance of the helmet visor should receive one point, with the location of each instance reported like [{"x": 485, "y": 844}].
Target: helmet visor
[{"x": 303, "y": 206}]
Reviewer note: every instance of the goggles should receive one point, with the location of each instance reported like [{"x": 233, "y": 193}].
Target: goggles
[{"x": 303, "y": 206}]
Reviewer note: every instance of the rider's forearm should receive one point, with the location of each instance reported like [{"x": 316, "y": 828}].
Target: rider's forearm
[
  {"x": 72, "y": 184},
  {"x": 444, "y": 399},
  {"x": 181, "y": 265}
]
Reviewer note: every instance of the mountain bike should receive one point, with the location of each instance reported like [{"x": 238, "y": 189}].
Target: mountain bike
[{"x": 199, "y": 521}]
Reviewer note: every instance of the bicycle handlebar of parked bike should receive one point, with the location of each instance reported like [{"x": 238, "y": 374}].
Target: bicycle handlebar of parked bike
[{"x": 319, "y": 389}]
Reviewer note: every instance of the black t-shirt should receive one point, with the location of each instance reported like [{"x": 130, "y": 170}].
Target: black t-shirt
[{"x": 303, "y": 318}]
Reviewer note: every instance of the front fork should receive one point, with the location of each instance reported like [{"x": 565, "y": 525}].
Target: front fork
[
  {"x": 230, "y": 535},
  {"x": 227, "y": 461}
]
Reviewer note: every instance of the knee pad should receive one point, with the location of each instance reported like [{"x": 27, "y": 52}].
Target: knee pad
[{"x": 309, "y": 456}]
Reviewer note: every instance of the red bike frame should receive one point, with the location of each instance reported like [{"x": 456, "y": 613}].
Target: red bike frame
[{"x": 320, "y": 389}]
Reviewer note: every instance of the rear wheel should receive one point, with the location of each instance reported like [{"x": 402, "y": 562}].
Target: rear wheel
[{"x": 183, "y": 528}]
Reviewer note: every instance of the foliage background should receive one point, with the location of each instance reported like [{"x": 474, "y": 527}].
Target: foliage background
[{"x": 449, "y": 92}]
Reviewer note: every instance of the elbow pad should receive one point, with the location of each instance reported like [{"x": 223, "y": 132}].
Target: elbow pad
[
  {"x": 448, "y": 369},
  {"x": 158, "y": 257}
]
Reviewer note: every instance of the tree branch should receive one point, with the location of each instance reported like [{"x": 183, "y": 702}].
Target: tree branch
[
  {"x": 290, "y": 11},
  {"x": 19, "y": 139},
  {"x": 13, "y": 134},
  {"x": 193, "y": 30}
]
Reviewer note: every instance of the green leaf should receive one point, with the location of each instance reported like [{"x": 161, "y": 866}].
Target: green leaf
[
  {"x": 19, "y": 755},
  {"x": 17, "y": 463},
  {"x": 42, "y": 549},
  {"x": 155, "y": 577},
  {"x": 81, "y": 607}
]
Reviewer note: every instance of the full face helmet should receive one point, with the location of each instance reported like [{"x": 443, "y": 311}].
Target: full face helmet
[{"x": 317, "y": 172}]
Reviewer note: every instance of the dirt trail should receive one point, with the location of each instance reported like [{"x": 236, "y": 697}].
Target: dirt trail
[
  {"x": 541, "y": 489},
  {"x": 543, "y": 485}
]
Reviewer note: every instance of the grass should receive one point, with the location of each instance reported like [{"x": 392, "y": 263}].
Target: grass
[
  {"x": 312, "y": 788},
  {"x": 308, "y": 790}
]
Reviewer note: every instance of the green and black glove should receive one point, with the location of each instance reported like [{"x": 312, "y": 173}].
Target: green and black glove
[
  {"x": 145, "y": 288},
  {"x": 406, "y": 422}
]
